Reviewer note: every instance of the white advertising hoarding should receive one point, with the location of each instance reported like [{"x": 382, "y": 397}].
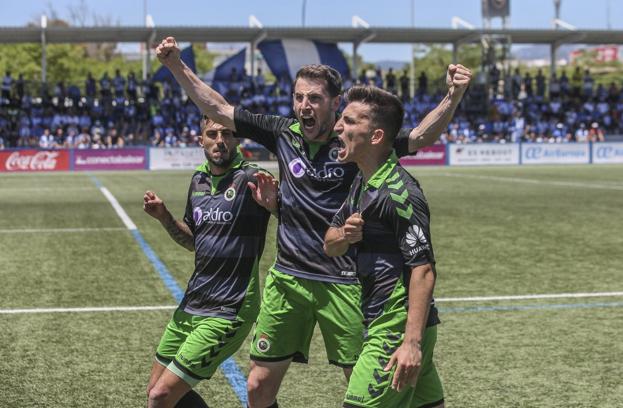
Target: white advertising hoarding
[
  {"x": 175, "y": 158},
  {"x": 483, "y": 154},
  {"x": 571, "y": 153},
  {"x": 609, "y": 152}
]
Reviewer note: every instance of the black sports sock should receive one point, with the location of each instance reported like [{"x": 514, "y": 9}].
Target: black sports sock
[{"x": 191, "y": 400}]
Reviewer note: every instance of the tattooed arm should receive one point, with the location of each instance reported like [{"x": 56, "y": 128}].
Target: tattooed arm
[{"x": 178, "y": 230}]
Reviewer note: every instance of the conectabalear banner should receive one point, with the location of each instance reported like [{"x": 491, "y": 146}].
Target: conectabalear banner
[
  {"x": 434, "y": 155},
  {"x": 34, "y": 160},
  {"x": 110, "y": 159}
]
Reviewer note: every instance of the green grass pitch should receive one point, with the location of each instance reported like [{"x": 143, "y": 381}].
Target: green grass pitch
[{"x": 496, "y": 231}]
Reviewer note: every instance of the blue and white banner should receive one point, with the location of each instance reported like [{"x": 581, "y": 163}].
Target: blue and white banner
[
  {"x": 187, "y": 55},
  {"x": 285, "y": 57},
  {"x": 483, "y": 154},
  {"x": 572, "y": 153},
  {"x": 223, "y": 72},
  {"x": 608, "y": 152}
]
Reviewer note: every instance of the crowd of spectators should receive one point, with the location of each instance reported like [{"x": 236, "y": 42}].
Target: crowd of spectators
[{"x": 122, "y": 110}]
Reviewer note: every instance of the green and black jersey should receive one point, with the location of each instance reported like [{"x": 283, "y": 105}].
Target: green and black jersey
[
  {"x": 396, "y": 237},
  {"x": 313, "y": 187},
  {"x": 229, "y": 230}
]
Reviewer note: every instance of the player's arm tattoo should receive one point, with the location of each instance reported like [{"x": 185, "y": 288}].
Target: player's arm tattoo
[{"x": 179, "y": 231}]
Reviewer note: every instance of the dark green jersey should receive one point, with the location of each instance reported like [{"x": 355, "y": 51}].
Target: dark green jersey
[
  {"x": 313, "y": 186},
  {"x": 229, "y": 230},
  {"x": 396, "y": 236}
]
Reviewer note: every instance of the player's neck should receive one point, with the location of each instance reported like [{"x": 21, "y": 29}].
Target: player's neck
[
  {"x": 372, "y": 162},
  {"x": 218, "y": 170}
]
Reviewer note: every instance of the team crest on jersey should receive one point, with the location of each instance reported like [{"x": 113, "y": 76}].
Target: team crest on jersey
[
  {"x": 230, "y": 193},
  {"x": 263, "y": 344},
  {"x": 333, "y": 153},
  {"x": 297, "y": 167}
]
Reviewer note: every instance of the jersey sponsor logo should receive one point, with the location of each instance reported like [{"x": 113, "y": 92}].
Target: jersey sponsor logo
[
  {"x": 416, "y": 239},
  {"x": 297, "y": 167},
  {"x": 230, "y": 193},
  {"x": 263, "y": 344},
  {"x": 213, "y": 215},
  {"x": 329, "y": 171}
]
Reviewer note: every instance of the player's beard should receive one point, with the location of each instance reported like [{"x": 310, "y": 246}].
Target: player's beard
[{"x": 227, "y": 157}]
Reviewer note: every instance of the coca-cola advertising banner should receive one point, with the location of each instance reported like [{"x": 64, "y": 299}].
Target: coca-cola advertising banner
[
  {"x": 434, "y": 155},
  {"x": 110, "y": 159},
  {"x": 34, "y": 160}
]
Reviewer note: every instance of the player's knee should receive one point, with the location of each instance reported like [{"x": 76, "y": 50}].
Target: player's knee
[
  {"x": 260, "y": 387},
  {"x": 158, "y": 394}
]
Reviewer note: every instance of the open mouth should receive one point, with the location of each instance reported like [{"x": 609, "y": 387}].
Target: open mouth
[
  {"x": 308, "y": 123},
  {"x": 341, "y": 153}
]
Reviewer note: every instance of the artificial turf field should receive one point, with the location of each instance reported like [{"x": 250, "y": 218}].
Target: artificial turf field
[{"x": 507, "y": 231}]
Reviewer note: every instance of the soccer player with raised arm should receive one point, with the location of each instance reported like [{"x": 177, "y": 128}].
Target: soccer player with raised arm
[
  {"x": 225, "y": 221},
  {"x": 385, "y": 219},
  {"x": 304, "y": 286}
]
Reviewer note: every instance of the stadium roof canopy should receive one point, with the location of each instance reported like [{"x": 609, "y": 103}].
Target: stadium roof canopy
[{"x": 333, "y": 34}]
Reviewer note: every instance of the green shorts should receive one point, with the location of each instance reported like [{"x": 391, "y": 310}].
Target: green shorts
[
  {"x": 370, "y": 386},
  {"x": 291, "y": 306},
  {"x": 194, "y": 346}
]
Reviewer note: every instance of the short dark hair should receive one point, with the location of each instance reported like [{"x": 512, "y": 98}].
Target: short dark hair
[
  {"x": 386, "y": 109},
  {"x": 206, "y": 121},
  {"x": 321, "y": 71}
]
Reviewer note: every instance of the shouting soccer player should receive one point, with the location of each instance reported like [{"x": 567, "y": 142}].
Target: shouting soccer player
[
  {"x": 225, "y": 225},
  {"x": 304, "y": 286},
  {"x": 385, "y": 218}
]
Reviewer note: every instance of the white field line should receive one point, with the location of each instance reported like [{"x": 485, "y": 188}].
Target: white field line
[
  {"x": 86, "y": 309},
  {"x": 118, "y": 209},
  {"x": 532, "y": 181},
  {"x": 526, "y": 297},
  {"x": 170, "y": 307},
  {"x": 57, "y": 230},
  {"x": 61, "y": 190}
]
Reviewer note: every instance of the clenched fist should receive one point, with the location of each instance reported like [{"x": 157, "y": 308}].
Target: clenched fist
[
  {"x": 457, "y": 78},
  {"x": 353, "y": 229},
  {"x": 168, "y": 52},
  {"x": 154, "y": 206}
]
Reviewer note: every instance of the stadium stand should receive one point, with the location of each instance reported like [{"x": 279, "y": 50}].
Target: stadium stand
[{"x": 118, "y": 111}]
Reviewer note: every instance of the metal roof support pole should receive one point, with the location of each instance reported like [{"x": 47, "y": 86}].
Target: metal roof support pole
[
  {"x": 553, "y": 47},
  {"x": 44, "y": 60},
  {"x": 147, "y": 53},
  {"x": 455, "y": 52},
  {"x": 261, "y": 36},
  {"x": 354, "y": 63}
]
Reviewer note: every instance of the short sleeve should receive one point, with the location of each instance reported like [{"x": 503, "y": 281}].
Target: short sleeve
[
  {"x": 263, "y": 129},
  {"x": 188, "y": 213},
  {"x": 409, "y": 217},
  {"x": 341, "y": 215},
  {"x": 401, "y": 143}
]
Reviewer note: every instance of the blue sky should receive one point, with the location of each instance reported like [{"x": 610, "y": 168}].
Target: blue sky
[{"x": 428, "y": 13}]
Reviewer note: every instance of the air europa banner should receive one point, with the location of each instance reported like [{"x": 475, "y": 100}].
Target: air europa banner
[
  {"x": 428, "y": 156},
  {"x": 557, "y": 153},
  {"x": 609, "y": 152},
  {"x": 110, "y": 159},
  {"x": 34, "y": 160}
]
